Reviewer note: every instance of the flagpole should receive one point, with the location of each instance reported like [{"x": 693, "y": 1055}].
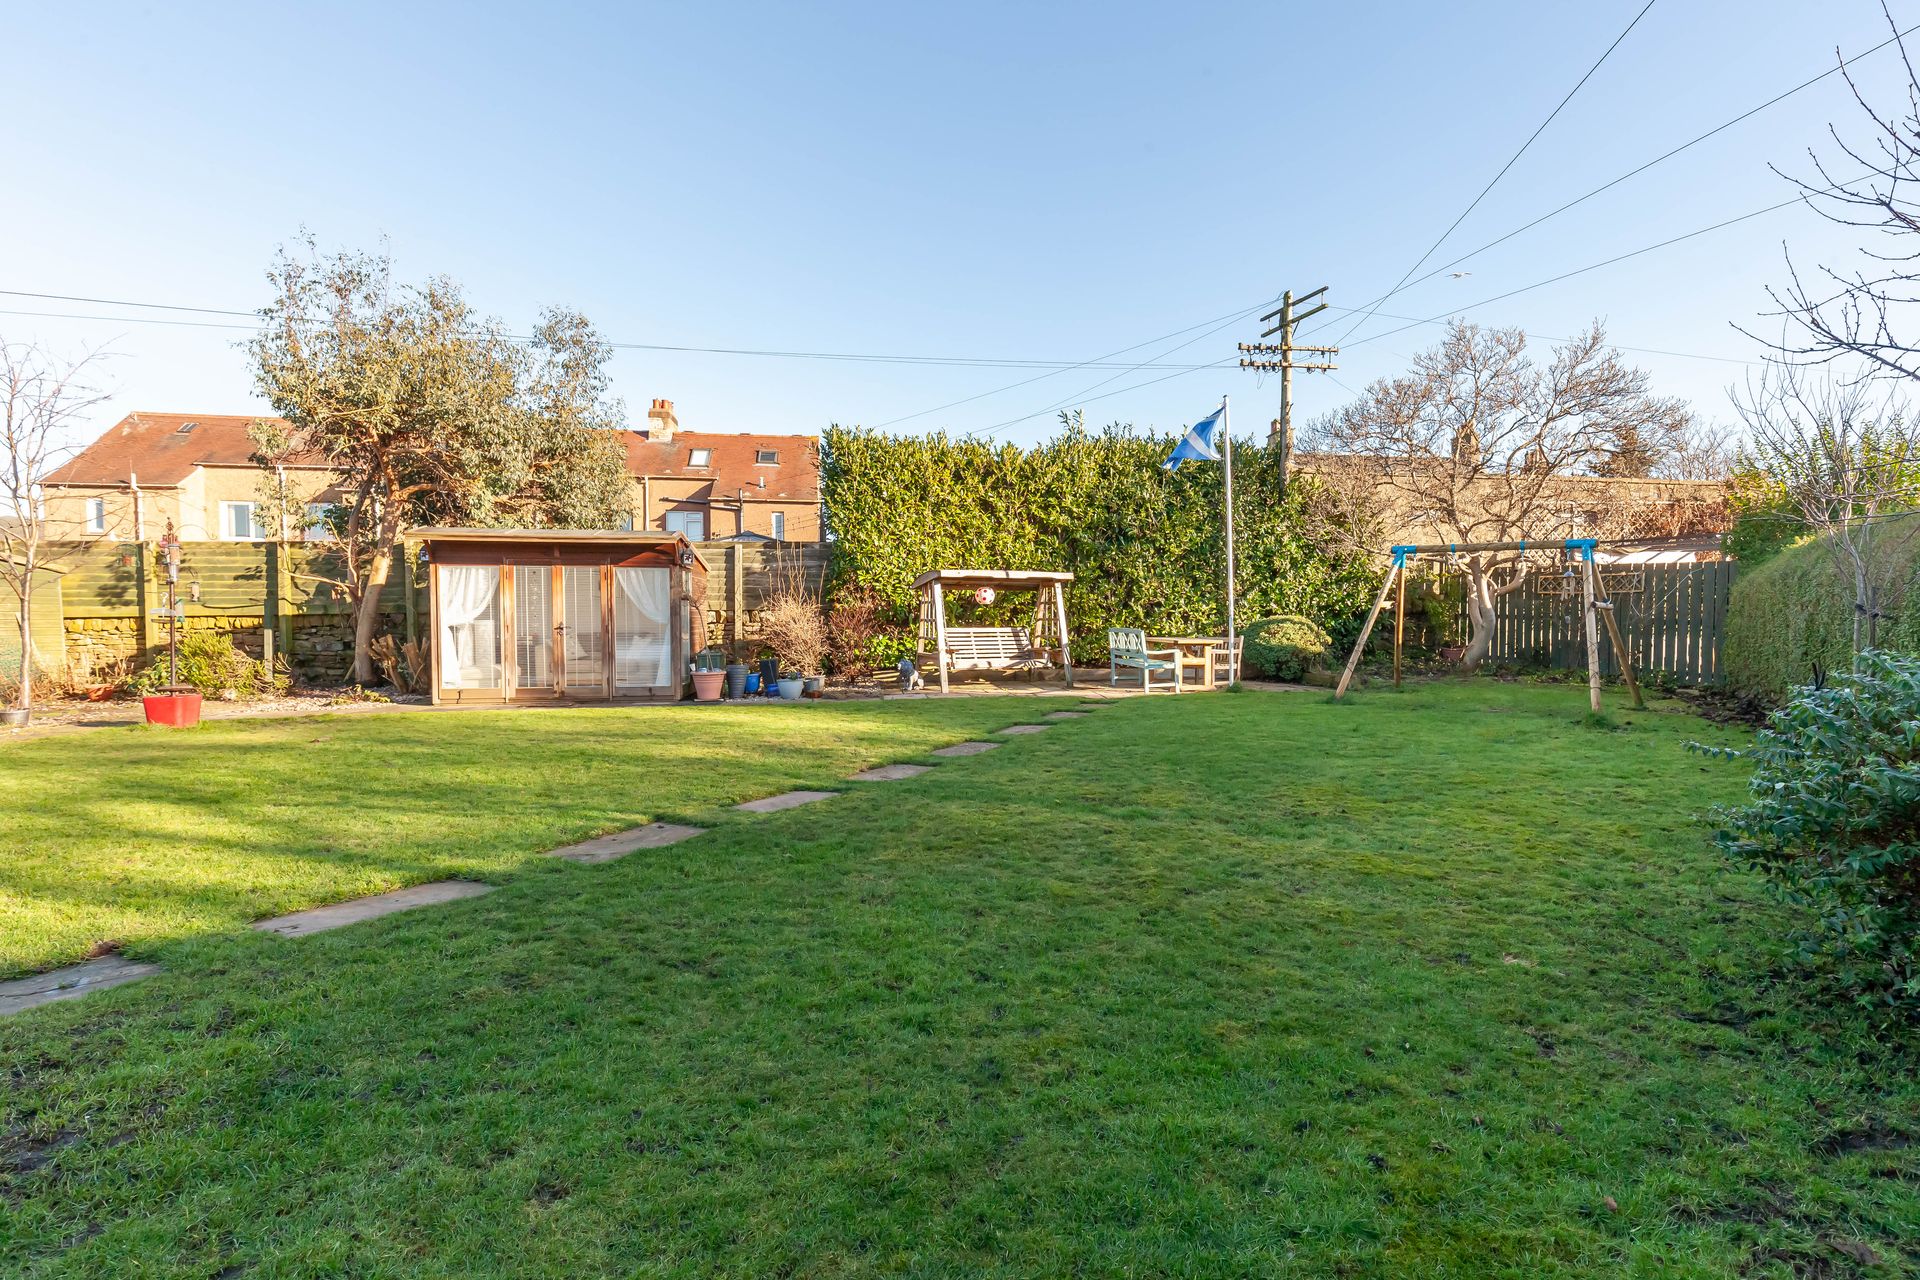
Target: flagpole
[{"x": 1226, "y": 433}]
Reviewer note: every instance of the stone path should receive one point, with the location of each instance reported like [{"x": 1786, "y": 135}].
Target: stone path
[
  {"x": 968, "y": 748},
  {"x": 1066, "y": 715},
  {"x": 655, "y": 835},
  {"x": 785, "y": 800},
  {"x": 1024, "y": 728},
  {"x": 71, "y": 982},
  {"x": 890, "y": 772},
  {"x": 340, "y": 914}
]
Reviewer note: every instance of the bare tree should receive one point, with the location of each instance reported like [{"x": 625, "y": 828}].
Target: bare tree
[
  {"x": 1858, "y": 316},
  {"x": 1846, "y": 453},
  {"x": 41, "y": 398},
  {"x": 1480, "y": 444}
]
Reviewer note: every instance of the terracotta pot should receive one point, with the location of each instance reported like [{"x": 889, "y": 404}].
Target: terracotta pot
[
  {"x": 99, "y": 692},
  {"x": 708, "y": 685},
  {"x": 176, "y": 710},
  {"x": 1452, "y": 652}
]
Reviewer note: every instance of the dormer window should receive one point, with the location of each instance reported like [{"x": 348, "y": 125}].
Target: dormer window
[
  {"x": 766, "y": 457},
  {"x": 699, "y": 457}
]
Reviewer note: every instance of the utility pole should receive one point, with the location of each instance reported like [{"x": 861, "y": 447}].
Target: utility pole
[{"x": 1258, "y": 356}]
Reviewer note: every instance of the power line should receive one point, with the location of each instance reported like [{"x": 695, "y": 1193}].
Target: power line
[
  {"x": 1514, "y": 159},
  {"x": 1547, "y": 337},
  {"x": 1635, "y": 172}
]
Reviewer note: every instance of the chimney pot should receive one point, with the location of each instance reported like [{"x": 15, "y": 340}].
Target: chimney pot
[{"x": 660, "y": 421}]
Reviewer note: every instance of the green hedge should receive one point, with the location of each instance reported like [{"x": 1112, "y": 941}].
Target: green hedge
[
  {"x": 1795, "y": 611},
  {"x": 1284, "y": 648},
  {"x": 1144, "y": 544}
]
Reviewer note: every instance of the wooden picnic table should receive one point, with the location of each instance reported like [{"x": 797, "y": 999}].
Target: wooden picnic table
[{"x": 1196, "y": 655}]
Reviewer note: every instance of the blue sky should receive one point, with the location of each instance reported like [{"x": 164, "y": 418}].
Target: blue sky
[{"x": 1030, "y": 182}]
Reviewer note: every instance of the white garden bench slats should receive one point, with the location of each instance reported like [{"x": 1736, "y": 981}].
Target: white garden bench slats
[
  {"x": 993, "y": 649},
  {"x": 1127, "y": 647}
]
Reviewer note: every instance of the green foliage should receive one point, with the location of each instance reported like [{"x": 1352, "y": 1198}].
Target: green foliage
[
  {"x": 1284, "y": 648},
  {"x": 210, "y": 663},
  {"x": 1145, "y": 544},
  {"x": 1793, "y": 616},
  {"x": 1833, "y": 822},
  {"x": 1765, "y": 521}
]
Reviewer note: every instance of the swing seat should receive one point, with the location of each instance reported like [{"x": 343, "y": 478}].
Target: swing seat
[{"x": 993, "y": 649}]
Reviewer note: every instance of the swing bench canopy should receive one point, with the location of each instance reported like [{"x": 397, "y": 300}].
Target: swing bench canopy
[{"x": 1035, "y": 647}]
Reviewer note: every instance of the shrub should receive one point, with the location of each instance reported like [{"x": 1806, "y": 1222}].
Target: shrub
[
  {"x": 210, "y": 663},
  {"x": 792, "y": 626},
  {"x": 1283, "y": 648},
  {"x": 854, "y": 628},
  {"x": 1833, "y": 823}
]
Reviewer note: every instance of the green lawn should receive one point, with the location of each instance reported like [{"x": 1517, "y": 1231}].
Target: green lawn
[{"x": 1443, "y": 983}]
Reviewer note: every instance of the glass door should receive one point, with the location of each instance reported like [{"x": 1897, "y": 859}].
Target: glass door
[
  {"x": 469, "y": 639},
  {"x": 582, "y": 632},
  {"x": 642, "y": 631},
  {"x": 533, "y": 626}
]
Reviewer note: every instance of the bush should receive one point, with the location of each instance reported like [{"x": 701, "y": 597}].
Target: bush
[
  {"x": 1834, "y": 823},
  {"x": 1283, "y": 648},
  {"x": 210, "y": 663},
  {"x": 792, "y": 626}
]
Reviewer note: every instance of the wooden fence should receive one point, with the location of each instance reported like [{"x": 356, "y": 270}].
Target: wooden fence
[{"x": 1672, "y": 618}]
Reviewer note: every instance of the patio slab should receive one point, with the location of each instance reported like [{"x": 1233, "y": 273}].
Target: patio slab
[
  {"x": 655, "y": 835},
  {"x": 890, "y": 772},
  {"x": 785, "y": 800},
  {"x": 967, "y": 748},
  {"x": 1025, "y": 728},
  {"x": 1067, "y": 715},
  {"x": 71, "y": 982},
  {"x": 341, "y": 914}
]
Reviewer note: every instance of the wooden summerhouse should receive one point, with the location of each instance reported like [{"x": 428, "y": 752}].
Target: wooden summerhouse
[
  {"x": 534, "y": 615},
  {"x": 1031, "y": 648}
]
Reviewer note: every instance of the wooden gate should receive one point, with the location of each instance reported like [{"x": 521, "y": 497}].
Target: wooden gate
[{"x": 1672, "y": 617}]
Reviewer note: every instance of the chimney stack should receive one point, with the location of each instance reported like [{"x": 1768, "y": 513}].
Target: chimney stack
[{"x": 660, "y": 420}]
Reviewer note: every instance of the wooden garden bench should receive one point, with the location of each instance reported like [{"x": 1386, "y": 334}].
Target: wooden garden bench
[
  {"x": 993, "y": 649},
  {"x": 1127, "y": 647}
]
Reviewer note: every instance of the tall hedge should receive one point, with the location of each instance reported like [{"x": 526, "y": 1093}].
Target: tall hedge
[
  {"x": 1145, "y": 545},
  {"x": 1795, "y": 611}
]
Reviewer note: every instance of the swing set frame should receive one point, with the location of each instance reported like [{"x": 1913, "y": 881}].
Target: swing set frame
[{"x": 1597, "y": 606}]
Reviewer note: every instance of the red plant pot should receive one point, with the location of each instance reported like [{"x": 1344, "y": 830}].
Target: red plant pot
[
  {"x": 177, "y": 710},
  {"x": 708, "y": 685}
]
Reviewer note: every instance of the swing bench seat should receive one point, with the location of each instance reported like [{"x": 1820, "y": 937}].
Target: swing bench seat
[{"x": 994, "y": 649}]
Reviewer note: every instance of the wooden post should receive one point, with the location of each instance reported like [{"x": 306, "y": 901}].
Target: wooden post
[
  {"x": 939, "y": 598},
  {"x": 1613, "y": 634},
  {"x": 1593, "y": 639},
  {"x": 143, "y": 600},
  {"x": 737, "y": 591},
  {"x": 412, "y": 598},
  {"x": 282, "y": 595},
  {"x": 1060, "y": 621},
  {"x": 1399, "y": 621},
  {"x": 1373, "y": 614}
]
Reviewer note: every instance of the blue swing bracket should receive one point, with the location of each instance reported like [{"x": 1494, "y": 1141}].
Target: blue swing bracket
[
  {"x": 1403, "y": 554},
  {"x": 1584, "y": 546}
]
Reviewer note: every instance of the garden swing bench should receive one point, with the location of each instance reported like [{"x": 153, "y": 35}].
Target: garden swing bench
[{"x": 1031, "y": 648}]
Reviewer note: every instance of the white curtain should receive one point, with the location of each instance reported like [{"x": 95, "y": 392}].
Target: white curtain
[
  {"x": 467, "y": 595},
  {"x": 642, "y": 633}
]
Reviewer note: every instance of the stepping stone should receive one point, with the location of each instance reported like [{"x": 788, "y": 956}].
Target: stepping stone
[
  {"x": 71, "y": 982},
  {"x": 890, "y": 772},
  {"x": 785, "y": 800},
  {"x": 655, "y": 835},
  {"x": 1065, "y": 715},
  {"x": 967, "y": 748},
  {"x": 321, "y": 919},
  {"x": 1025, "y": 728}
]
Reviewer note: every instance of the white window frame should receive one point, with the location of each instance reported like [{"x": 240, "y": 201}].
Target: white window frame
[
  {"x": 699, "y": 457},
  {"x": 316, "y": 530},
  {"x": 766, "y": 457},
  {"x": 779, "y": 526},
  {"x": 690, "y": 524},
  {"x": 96, "y": 515},
  {"x": 255, "y": 532}
]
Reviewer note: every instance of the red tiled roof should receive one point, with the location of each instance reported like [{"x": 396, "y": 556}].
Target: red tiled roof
[
  {"x": 152, "y": 447},
  {"x": 731, "y": 463}
]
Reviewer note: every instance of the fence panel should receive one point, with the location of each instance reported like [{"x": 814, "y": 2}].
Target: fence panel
[{"x": 1672, "y": 619}]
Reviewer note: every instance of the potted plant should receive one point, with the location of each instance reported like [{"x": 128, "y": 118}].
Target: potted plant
[
  {"x": 790, "y": 685},
  {"x": 812, "y": 685},
  {"x": 736, "y": 679},
  {"x": 708, "y": 678}
]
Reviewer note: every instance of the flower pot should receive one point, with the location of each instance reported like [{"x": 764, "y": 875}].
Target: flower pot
[
  {"x": 769, "y": 673},
  {"x": 707, "y": 685},
  {"x": 176, "y": 710},
  {"x": 812, "y": 684},
  {"x": 1452, "y": 652},
  {"x": 15, "y": 717},
  {"x": 753, "y": 684},
  {"x": 99, "y": 692},
  {"x": 736, "y": 679},
  {"x": 790, "y": 688}
]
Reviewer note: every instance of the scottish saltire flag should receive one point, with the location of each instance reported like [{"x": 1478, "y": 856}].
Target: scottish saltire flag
[{"x": 1197, "y": 445}]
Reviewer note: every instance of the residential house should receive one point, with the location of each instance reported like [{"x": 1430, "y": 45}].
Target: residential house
[{"x": 196, "y": 471}]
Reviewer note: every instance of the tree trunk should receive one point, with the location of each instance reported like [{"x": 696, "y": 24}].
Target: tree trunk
[
  {"x": 26, "y": 641},
  {"x": 367, "y": 617},
  {"x": 1480, "y": 614}
]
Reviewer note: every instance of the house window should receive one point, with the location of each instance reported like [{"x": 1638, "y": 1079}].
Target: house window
[
  {"x": 779, "y": 526},
  {"x": 766, "y": 457},
  {"x": 692, "y": 525},
  {"x": 96, "y": 515},
  {"x": 699, "y": 457},
  {"x": 239, "y": 524},
  {"x": 318, "y": 529},
  {"x": 626, "y": 523}
]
